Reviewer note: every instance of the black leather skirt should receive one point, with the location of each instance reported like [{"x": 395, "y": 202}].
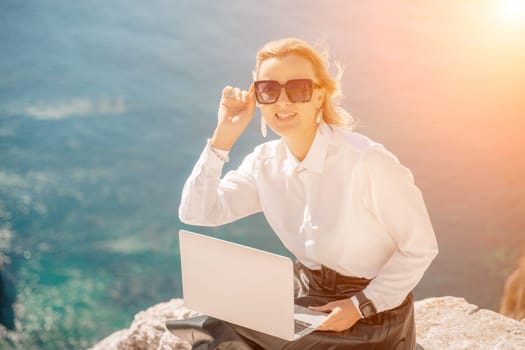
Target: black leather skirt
[{"x": 391, "y": 329}]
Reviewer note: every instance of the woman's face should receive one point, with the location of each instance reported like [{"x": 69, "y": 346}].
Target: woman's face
[{"x": 286, "y": 118}]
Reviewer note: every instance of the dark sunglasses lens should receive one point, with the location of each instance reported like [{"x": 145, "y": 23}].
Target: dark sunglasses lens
[
  {"x": 267, "y": 91},
  {"x": 299, "y": 90}
]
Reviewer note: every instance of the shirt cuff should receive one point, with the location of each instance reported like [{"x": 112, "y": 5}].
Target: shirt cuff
[
  {"x": 356, "y": 303},
  {"x": 220, "y": 154}
]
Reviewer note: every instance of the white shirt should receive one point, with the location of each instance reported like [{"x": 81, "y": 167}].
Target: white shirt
[{"x": 349, "y": 205}]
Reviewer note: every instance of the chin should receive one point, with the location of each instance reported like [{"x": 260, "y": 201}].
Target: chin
[{"x": 284, "y": 130}]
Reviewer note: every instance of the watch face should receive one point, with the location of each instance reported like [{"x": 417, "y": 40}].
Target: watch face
[{"x": 368, "y": 308}]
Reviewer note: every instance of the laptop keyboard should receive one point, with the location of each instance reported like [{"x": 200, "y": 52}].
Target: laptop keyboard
[{"x": 301, "y": 325}]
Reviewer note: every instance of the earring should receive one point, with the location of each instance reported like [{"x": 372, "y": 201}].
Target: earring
[
  {"x": 264, "y": 129},
  {"x": 319, "y": 116}
]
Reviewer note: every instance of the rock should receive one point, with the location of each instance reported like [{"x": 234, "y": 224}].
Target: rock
[
  {"x": 453, "y": 323},
  {"x": 441, "y": 323},
  {"x": 148, "y": 332}
]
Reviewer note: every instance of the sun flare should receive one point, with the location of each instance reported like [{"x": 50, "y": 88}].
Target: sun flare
[{"x": 512, "y": 12}]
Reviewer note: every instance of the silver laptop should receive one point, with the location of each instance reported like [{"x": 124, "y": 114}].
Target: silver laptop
[{"x": 243, "y": 285}]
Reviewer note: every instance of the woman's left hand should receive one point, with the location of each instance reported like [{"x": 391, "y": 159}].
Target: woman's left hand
[{"x": 343, "y": 315}]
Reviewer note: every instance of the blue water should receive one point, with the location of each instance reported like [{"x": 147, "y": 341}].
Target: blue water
[{"x": 105, "y": 106}]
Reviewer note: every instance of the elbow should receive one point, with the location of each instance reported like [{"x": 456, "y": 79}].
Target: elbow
[
  {"x": 429, "y": 244},
  {"x": 431, "y": 255},
  {"x": 190, "y": 217},
  {"x": 189, "y": 214},
  {"x": 434, "y": 249},
  {"x": 185, "y": 215},
  {"x": 429, "y": 251},
  {"x": 187, "y": 218}
]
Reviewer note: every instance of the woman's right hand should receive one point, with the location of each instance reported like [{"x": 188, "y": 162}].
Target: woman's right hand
[{"x": 235, "y": 113}]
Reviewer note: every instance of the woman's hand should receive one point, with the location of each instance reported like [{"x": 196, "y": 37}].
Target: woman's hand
[
  {"x": 235, "y": 113},
  {"x": 343, "y": 315}
]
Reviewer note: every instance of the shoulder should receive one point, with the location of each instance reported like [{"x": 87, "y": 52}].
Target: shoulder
[
  {"x": 366, "y": 150},
  {"x": 351, "y": 141}
]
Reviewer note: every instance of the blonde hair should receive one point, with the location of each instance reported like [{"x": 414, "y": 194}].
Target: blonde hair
[{"x": 333, "y": 113}]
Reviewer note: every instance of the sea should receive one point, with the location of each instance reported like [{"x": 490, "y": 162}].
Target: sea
[{"x": 106, "y": 105}]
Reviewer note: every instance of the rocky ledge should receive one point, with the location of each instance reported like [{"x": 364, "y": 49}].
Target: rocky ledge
[{"x": 441, "y": 323}]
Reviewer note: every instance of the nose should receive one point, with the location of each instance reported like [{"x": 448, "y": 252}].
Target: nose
[{"x": 283, "y": 97}]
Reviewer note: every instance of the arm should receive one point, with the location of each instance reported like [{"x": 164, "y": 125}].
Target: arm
[
  {"x": 208, "y": 200},
  {"x": 397, "y": 203}
]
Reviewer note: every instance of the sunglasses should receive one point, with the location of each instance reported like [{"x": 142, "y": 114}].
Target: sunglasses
[{"x": 297, "y": 90}]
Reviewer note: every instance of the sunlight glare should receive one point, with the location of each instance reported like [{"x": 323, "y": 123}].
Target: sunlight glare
[{"x": 512, "y": 11}]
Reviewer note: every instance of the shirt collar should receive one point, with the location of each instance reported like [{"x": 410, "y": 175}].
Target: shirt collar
[{"x": 315, "y": 158}]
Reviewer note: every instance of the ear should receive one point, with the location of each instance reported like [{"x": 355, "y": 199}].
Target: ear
[{"x": 320, "y": 97}]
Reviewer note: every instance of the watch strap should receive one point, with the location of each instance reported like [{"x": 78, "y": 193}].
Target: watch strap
[{"x": 366, "y": 306}]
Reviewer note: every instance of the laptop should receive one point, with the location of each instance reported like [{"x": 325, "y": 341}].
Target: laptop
[{"x": 242, "y": 285}]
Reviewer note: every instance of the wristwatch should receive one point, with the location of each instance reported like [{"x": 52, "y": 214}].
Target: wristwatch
[{"x": 365, "y": 305}]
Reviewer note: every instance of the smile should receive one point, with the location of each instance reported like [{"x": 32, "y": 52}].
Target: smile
[{"x": 284, "y": 116}]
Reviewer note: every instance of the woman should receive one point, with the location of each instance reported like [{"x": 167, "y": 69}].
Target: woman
[{"x": 341, "y": 203}]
